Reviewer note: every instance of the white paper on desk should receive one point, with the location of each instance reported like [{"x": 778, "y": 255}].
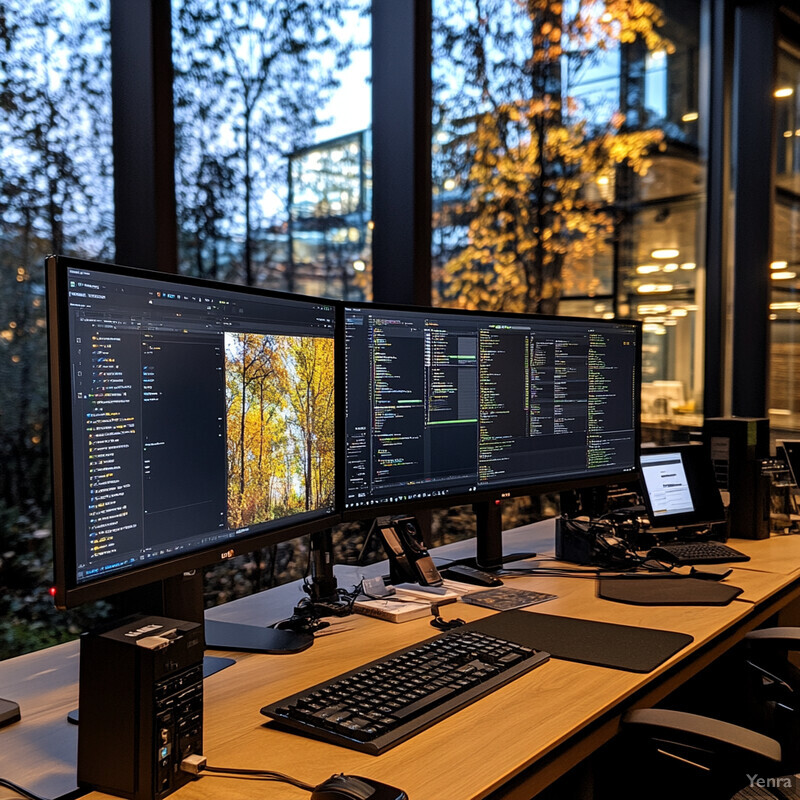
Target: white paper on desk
[{"x": 394, "y": 610}]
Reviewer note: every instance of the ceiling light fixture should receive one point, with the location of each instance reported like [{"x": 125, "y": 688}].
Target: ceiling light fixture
[
  {"x": 654, "y": 288},
  {"x": 647, "y": 310},
  {"x": 666, "y": 252}
]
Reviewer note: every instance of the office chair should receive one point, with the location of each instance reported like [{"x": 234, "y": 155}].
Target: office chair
[
  {"x": 692, "y": 756},
  {"x": 675, "y": 754},
  {"x": 772, "y": 688}
]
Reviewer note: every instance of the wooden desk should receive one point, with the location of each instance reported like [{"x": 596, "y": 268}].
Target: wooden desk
[
  {"x": 778, "y": 554},
  {"x": 511, "y": 744}
]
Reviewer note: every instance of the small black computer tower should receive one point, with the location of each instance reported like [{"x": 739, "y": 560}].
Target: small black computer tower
[
  {"x": 736, "y": 446},
  {"x": 140, "y": 707}
]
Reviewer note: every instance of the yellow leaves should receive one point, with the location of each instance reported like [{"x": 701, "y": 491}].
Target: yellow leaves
[
  {"x": 541, "y": 179},
  {"x": 279, "y": 401},
  {"x": 628, "y": 20}
]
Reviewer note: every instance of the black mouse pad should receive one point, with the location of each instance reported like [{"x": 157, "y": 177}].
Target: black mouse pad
[
  {"x": 602, "y": 643},
  {"x": 667, "y": 591}
]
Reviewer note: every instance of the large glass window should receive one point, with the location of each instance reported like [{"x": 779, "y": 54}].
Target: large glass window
[
  {"x": 259, "y": 87},
  {"x": 330, "y": 234},
  {"x": 56, "y": 196},
  {"x": 566, "y": 172},
  {"x": 273, "y": 170},
  {"x": 784, "y": 387}
]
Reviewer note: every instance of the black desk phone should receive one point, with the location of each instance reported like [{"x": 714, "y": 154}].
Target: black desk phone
[{"x": 409, "y": 561}]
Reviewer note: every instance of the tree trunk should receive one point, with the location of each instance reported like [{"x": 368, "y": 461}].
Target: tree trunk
[
  {"x": 248, "y": 188},
  {"x": 241, "y": 433}
]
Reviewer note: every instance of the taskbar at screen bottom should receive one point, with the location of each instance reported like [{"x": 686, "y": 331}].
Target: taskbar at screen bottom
[
  {"x": 463, "y": 496},
  {"x": 208, "y": 548}
]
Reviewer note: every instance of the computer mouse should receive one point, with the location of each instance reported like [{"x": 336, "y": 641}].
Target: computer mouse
[{"x": 354, "y": 787}]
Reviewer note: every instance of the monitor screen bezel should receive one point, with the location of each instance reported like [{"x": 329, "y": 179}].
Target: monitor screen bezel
[
  {"x": 712, "y": 510},
  {"x": 496, "y": 493},
  {"x": 68, "y": 593}
]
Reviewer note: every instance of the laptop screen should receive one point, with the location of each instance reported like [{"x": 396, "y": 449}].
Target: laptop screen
[{"x": 679, "y": 488}]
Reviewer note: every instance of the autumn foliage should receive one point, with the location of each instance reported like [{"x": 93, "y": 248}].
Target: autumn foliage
[
  {"x": 280, "y": 405},
  {"x": 535, "y": 154}
]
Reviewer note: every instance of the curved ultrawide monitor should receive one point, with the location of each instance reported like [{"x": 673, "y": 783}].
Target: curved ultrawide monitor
[
  {"x": 191, "y": 421},
  {"x": 446, "y": 406}
]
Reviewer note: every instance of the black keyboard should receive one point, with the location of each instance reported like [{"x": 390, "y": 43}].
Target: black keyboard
[
  {"x": 697, "y": 553},
  {"x": 383, "y": 703}
]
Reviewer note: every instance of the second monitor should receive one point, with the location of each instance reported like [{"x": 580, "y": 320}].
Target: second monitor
[{"x": 461, "y": 406}]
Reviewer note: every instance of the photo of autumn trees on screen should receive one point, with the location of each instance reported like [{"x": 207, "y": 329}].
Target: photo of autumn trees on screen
[{"x": 279, "y": 401}]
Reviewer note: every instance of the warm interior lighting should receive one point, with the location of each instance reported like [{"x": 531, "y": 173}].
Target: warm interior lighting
[
  {"x": 359, "y": 265},
  {"x": 654, "y": 288},
  {"x": 779, "y": 265},
  {"x": 690, "y": 116},
  {"x": 666, "y": 252},
  {"x": 658, "y": 330},
  {"x": 646, "y": 269},
  {"x": 787, "y": 134},
  {"x": 671, "y": 267},
  {"x": 608, "y": 315},
  {"x": 646, "y": 310},
  {"x": 784, "y": 91},
  {"x": 679, "y": 312},
  {"x": 449, "y": 185},
  {"x": 602, "y": 180},
  {"x": 688, "y": 265},
  {"x": 607, "y": 17},
  {"x": 785, "y": 306},
  {"x": 783, "y": 276}
]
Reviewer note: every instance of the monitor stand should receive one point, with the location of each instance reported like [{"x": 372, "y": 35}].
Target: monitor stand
[
  {"x": 9, "y": 712},
  {"x": 322, "y": 588},
  {"x": 295, "y": 634},
  {"x": 489, "y": 538}
]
